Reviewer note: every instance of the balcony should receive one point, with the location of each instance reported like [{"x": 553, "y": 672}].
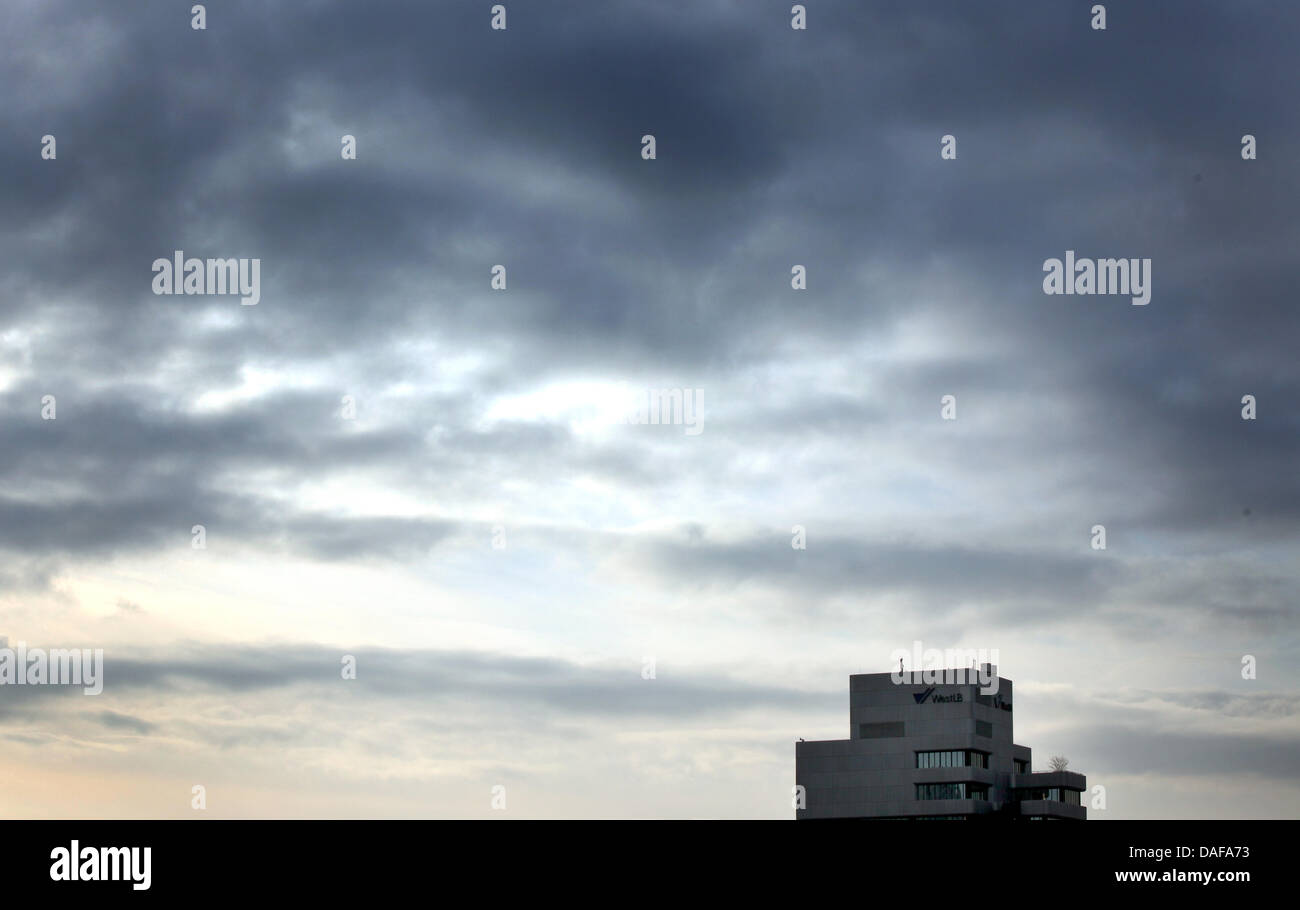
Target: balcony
[{"x": 1046, "y": 808}]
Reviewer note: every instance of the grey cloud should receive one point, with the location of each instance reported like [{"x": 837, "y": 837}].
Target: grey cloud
[
  {"x": 865, "y": 566},
  {"x": 554, "y": 684},
  {"x": 1147, "y": 751},
  {"x": 115, "y": 721}
]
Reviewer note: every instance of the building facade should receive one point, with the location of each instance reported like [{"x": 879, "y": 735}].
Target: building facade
[{"x": 936, "y": 750}]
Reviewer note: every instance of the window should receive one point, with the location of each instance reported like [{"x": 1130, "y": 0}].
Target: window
[
  {"x": 880, "y": 731},
  {"x": 1054, "y": 794},
  {"x": 961, "y": 790},
  {"x": 1022, "y": 766},
  {"x": 939, "y": 791},
  {"x": 953, "y": 758}
]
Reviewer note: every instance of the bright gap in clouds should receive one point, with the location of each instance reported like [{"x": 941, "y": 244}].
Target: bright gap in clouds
[{"x": 586, "y": 407}]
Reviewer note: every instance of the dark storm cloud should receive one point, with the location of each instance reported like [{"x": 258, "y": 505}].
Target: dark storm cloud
[
  {"x": 755, "y": 130},
  {"x": 337, "y": 234},
  {"x": 775, "y": 147},
  {"x": 742, "y": 112}
]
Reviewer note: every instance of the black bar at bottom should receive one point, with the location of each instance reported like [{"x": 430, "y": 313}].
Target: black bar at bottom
[{"x": 608, "y": 861}]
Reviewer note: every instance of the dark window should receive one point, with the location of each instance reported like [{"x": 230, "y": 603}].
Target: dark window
[
  {"x": 939, "y": 791},
  {"x": 952, "y": 758},
  {"x": 1022, "y": 766},
  {"x": 880, "y": 731},
  {"x": 960, "y": 790},
  {"x": 1054, "y": 794}
]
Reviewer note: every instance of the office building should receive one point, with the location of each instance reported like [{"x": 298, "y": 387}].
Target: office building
[{"x": 937, "y": 750}]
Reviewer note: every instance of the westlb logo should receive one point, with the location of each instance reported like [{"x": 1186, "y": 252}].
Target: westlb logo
[{"x": 921, "y": 697}]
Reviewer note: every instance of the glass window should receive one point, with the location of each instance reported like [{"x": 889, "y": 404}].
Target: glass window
[
  {"x": 952, "y": 791},
  {"x": 952, "y": 758},
  {"x": 1055, "y": 794}
]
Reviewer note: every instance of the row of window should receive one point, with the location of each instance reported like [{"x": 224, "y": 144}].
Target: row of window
[
  {"x": 952, "y": 758},
  {"x": 960, "y": 790},
  {"x": 1022, "y": 766},
  {"x": 1055, "y": 794},
  {"x": 970, "y": 790}
]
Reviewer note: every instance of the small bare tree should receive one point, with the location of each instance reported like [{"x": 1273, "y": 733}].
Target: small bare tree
[{"x": 1059, "y": 763}]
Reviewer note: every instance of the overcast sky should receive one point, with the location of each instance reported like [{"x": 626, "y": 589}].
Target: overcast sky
[{"x": 481, "y": 410}]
